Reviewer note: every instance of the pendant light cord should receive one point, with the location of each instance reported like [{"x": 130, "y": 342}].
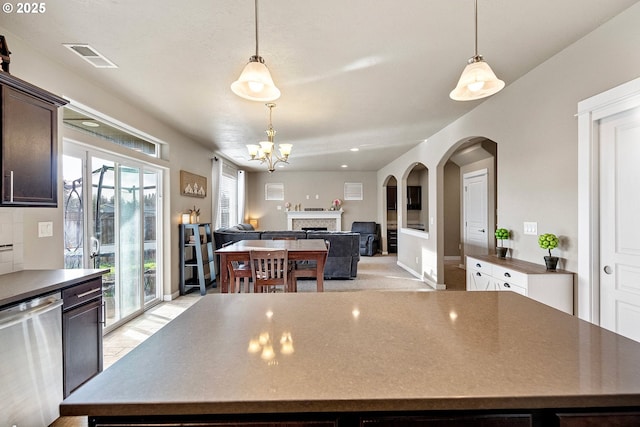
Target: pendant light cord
[
  {"x": 476, "y": 26},
  {"x": 256, "y": 15}
]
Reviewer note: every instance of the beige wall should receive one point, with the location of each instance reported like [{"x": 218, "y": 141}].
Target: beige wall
[
  {"x": 533, "y": 123},
  {"x": 298, "y": 185},
  {"x": 178, "y": 153}
]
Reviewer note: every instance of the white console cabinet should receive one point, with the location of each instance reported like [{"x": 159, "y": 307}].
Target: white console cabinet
[{"x": 490, "y": 273}]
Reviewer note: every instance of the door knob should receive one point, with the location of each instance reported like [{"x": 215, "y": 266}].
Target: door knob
[
  {"x": 608, "y": 269},
  {"x": 481, "y": 231}
]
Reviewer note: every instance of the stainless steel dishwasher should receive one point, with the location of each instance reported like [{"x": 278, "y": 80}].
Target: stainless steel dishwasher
[{"x": 31, "y": 362}]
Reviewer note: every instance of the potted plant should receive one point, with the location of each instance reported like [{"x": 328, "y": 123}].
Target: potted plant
[
  {"x": 549, "y": 241},
  {"x": 501, "y": 234}
]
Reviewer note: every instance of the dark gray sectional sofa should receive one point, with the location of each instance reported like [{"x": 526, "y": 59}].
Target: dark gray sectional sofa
[{"x": 344, "y": 252}]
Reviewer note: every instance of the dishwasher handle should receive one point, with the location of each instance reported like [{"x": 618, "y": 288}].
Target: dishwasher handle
[{"x": 20, "y": 316}]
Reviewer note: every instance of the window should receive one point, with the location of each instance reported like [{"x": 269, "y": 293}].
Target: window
[
  {"x": 228, "y": 197},
  {"x": 84, "y": 120}
]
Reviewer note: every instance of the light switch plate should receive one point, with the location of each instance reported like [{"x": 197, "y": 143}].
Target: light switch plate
[
  {"x": 45, "y": 229},
  {"x": 531, "y": 228}
]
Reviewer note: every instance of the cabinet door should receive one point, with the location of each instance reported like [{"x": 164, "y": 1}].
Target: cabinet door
[
  {"x": 29, "y": 150},
  {"x": 82, "y": 343},
  {"x": 392, "y": 198},
  {"x": 414, "y": 197},
  {"x": 477, "y": 281}
]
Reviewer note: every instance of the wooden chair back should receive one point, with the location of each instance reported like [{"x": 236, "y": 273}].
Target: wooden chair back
[{"x": 270, "y": 268}]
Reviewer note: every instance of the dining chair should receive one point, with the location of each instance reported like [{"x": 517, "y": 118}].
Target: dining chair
[
  {"x": 238, "y": 272},
  {"x": 307, "y": 270},
  {"x": 269, "y": 269}
]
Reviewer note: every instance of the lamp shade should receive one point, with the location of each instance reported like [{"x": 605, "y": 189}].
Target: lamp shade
[
  {"x": 266, "y": 147},
  {"x": 477, "y": 81},
  {"x": 255, "y": 82},
  {"x": 285, "y": 149}
]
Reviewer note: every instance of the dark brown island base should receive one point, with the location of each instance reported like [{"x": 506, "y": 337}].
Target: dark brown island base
[{"x": 370, "y": 359}]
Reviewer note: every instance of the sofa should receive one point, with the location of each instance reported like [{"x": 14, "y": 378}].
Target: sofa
[
  {"x": 369, "y": 236},
  {"x": 344, "y": 250}
]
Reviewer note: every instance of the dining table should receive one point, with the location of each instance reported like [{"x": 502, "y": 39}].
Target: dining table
[{"x": 297, "y": 250}]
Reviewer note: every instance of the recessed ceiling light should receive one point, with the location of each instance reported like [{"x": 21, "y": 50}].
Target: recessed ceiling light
[
  {"x": 344, "y": 166},
  {"x": 91, "y": 124},
  {"x": 354, "y": 149}
]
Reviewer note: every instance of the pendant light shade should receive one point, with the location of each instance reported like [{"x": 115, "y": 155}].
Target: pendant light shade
[
  {"x": 478, "y": 79},
  {"x": 255, "y": 82}
]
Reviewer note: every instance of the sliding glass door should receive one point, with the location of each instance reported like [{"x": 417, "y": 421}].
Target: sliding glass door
[{"x": 119, "y": 217}]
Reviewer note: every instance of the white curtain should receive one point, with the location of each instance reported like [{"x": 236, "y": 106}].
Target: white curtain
[{"x": 216, "y": 173}]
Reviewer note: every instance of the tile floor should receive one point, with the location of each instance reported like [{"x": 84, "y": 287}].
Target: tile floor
[{"x": 120, "y": 341}]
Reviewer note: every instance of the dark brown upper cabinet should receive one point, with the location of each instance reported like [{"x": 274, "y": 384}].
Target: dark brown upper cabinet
[
  {"x": 392, "y": 198},
  {"x": 29, "y": 145},
  {"x": 414, "y": 198}
]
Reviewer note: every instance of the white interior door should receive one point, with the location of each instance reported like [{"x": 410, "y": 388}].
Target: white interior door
[
  {"x": 475, "y": 212},
  {"x": 619, "y": 230}
]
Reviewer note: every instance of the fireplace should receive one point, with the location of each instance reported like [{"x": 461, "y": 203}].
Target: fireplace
[{"x": 327, "y": 220}]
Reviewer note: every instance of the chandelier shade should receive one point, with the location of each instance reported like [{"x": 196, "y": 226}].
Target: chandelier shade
[
  {"x": 264, "y": 152},
  {"x": 255, "y": 82},
  {"x": 478, "y": 79}
]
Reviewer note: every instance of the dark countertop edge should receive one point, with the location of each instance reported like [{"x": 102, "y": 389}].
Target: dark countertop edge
[
  {"x": 85, "y": 274},
  {"x": 524, "y": 403}
]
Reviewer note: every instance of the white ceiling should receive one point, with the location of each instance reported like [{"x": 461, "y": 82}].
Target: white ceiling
[{"x": 372, "y": 74}]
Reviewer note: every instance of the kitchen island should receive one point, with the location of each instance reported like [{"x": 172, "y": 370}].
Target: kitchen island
[{"x": 369, "y": 358}]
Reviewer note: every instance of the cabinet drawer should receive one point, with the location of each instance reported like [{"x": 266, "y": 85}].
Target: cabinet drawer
[
  {"x": 481, "y": 266},
  {"x": 81, "y": 293},
  {"x": 510, "y": 275},
  {"x": 506, "y": 286}
]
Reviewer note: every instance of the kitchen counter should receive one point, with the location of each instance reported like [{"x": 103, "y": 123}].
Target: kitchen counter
[
  {"x": 26, "y": 284},
  {"x": 366, "y": 353}
]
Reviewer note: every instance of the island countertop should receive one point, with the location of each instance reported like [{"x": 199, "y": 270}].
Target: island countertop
[
  {"x": 25, "y": 284},
  {"x": 366, "y": 351}
]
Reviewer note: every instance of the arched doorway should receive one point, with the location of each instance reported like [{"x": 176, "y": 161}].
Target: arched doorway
[{"x": 475, "y": 159}]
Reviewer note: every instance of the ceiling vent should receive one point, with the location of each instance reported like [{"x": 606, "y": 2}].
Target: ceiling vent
[{"x": 90, "y": 55}]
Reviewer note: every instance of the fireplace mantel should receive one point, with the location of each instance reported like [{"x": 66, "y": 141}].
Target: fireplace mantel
[{"x": 330, "y": 219}]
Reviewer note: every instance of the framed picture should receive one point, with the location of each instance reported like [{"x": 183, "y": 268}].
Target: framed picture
[{"x": 193, "y": 185}]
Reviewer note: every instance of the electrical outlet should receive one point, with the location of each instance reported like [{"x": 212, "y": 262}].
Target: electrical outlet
[{"x": 531, "y": 228}]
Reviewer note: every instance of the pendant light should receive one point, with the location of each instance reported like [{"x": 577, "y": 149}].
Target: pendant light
[
  {"x": 255, "y": 82},
  {"x": 477, "y": 80},
  {"x": 265, "y": 152}
]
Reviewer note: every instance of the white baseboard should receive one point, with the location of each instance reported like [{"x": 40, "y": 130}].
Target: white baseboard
[
  {"x": 171, "y": 297},
  {"x": 452, "y": 258},
  {"x": 422, "y": 277}
]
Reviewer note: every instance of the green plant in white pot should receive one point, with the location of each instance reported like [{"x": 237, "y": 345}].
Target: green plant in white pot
[
  {"x": 549, "y": 241},
  {"x": 501, "y": 235}
]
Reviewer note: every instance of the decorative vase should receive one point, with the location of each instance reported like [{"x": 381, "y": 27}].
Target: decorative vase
[
  {"x": 551, "y": 262},
  {"x": 501, "y": 252}
]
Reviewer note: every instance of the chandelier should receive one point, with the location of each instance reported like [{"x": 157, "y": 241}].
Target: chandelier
[
  {"x": 478, "y": 79},
  {"x": 255, "y": 82},
  {"x": 264, "y": 152}
]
